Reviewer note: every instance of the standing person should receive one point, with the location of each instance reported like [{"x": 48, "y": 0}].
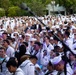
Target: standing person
[
  {"x": 20, "y": 53},
  {"x": 58, "y": 64},
  {"x": 47, "y": 45},
  {"x": 4, "y": 35},
  {"x": 28, "y": 66},
  {"x": 50, "y": 69},
  {"x": 12, "y": 67},
  {"x": 3, "y": 60},
  {"x": 67, "y": 40},
  {"x": 32, "y": 43},
  {"x": 9, "y": 50}
]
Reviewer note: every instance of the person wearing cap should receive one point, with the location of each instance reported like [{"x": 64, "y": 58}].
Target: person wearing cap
[
  {"x": 58, "y": 64},
  {"x": 50, "y": 69},
  {"x": 27, "y": 37},
  {"x": 32, "y": 43}
]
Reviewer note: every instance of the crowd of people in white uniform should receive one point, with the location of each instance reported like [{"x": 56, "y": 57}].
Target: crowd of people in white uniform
[{"x": 27, "y": 47}]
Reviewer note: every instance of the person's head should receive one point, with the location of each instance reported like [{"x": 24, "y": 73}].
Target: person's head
[
  {"x": 1, "y": 26},
  {"x": 58, "y": 63},
  {"x": 22, "y": 38},
  {"x": 53, "y": 54},
  {"x": 6, "y": 43},
  {"x": 32, "y": 41},
  {"x": 27, "y": 37},
  {"x": 9, "y": 39},
  {"x": 11, "y": 65},
  {"x": 22, "y": 49},
  {"x": 58, "y": 49},
  {"x": 25, "y": 43},
  {"x": 33, "y": 59},
  {"x": 37, "y": 46},
  {"x": 2, "y": 52},
  {"x": 47, "y": 39},
  {"x": 66, "y": 34},
  {"x": 55, "y": 40},
  {"x": 72, "y": 57},
  {"x": 4, "y": 35},
  {"x": 50, "y": 66},
  {"x": 36, "y": 35}
]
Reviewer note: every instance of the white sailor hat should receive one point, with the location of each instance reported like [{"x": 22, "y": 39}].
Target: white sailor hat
[
  {"x": 56, "y": 60},
  {"x": 28, "y": 34},
  {"x": 33, "y": 39},
  {"x": 57, "y": 26}
]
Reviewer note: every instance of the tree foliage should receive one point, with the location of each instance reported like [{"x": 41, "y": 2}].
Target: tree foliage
[
  {"x": 68, "y": 4},
  {"x": 2, "y": 12},
  {"x": 38, "y": 6},
  {"x": 13, "y": 11}
]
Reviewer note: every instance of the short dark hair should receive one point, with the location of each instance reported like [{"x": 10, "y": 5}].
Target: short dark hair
[
  {"x": 50, "y": 64},
  {"x": 5, "y": 33},
  {"x": 67, "y": 33},
  {"x": 22, "y": 49},
  {"x": 38, "y": 43},
  {"x": 2, "y": 48},
  {"x": 11, "y": 62},
  {"x": 6, "y": 41},
  {"x": 48, "y": 37},
  {"x": 33, "y": 57},
  {"x": 25, "y": 43}
]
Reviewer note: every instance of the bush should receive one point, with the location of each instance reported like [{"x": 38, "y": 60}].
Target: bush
[
  {"x": 14, "y": 11},
  {"x": 2, "y": 12}
]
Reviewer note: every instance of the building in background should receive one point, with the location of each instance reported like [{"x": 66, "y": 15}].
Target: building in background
[{"x": 55, "y": 9}]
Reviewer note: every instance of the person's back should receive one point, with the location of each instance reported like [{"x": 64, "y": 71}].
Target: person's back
[
  {"x": 28, "y": 67},
  {"x": 12, "y": 67},
  {"x": 3, "y": 60}
]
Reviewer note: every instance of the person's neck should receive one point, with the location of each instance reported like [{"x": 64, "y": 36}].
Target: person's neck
[
  {"x": 47, "y": 43},
  {"x": 7, "y": 46}
]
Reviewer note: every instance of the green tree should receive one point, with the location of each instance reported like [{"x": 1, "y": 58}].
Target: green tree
[
  {"x": 36, "y": 6},
  {"x": 5, "y": 4},
  {"x": 14, "y": 11},
  {"x": 68, "y": 4},
  {"x": 2, "y": 12}
]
